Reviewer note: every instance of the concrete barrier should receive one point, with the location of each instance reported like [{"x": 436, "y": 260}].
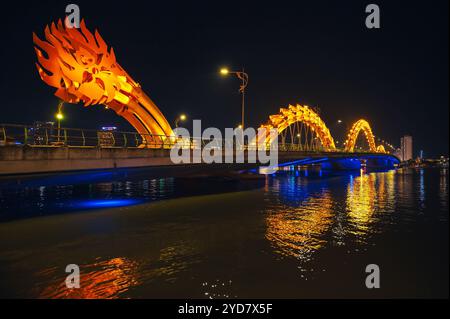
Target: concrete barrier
[{"x": 26, "y": 159}]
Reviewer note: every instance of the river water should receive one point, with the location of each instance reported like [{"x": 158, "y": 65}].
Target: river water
[{"x": 302, "y": 233}]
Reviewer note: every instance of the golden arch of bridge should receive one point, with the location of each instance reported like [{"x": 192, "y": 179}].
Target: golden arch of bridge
[
  {"x": 80, "y": 66},
  {"x": 300, "y": 128}
]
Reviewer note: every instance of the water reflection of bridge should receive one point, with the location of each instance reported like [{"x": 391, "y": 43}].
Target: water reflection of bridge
[{"x": 306, "y": 216}]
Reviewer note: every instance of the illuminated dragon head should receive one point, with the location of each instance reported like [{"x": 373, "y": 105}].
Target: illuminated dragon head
[{"x": 82, "y": 69}]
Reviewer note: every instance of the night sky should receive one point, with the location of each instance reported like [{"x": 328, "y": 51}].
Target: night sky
[{"x": 317, "y": 53}]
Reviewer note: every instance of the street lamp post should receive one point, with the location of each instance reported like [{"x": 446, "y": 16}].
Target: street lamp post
[
  {"x": 244, "y": 82},
  {"x": 60, "y": 117},
  {"x": 340, "y": 124},
  {"x": 182, "y": 117}
]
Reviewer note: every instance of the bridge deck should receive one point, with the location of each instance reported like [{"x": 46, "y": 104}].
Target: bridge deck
[{"x": 29, "y": 160}]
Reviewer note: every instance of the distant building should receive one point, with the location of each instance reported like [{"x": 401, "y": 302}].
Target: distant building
[
  {"x": 406, "y": 148},
  {"x": 42, "y": 133},
  {"x": 398, "y": 153}
]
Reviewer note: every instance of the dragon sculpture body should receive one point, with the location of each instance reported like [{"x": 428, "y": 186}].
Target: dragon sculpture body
[{"x": 82, "y": 69}]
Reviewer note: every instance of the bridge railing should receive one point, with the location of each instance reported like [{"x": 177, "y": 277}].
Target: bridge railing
[{"x": 48, "y": 135}]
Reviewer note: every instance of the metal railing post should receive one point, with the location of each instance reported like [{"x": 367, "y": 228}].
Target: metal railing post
[
  {"x": 25, "y": 139},
  {"x": 4, "y": 135},
  {"x": 84, "y": 138}
]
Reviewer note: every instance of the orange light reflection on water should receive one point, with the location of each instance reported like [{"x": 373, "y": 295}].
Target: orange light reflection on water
[
  {"x": 300, "y": 227},
  {"x": 368, "y": 195},
  {"x": 102, "y": 280},
  {"x": 297, "y": 231}
]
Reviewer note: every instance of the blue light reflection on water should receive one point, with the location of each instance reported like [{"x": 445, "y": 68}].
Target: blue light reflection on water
[
  {"x": 106, "y": 203},
  {"x": 48, "y": 195},
  {"x": 51, "y": 195}
]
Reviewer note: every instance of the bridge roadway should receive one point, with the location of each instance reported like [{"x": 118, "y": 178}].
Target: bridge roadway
[{"x": 16, "y": 160}]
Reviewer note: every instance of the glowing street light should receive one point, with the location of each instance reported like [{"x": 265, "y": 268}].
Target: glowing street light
[
  {"x": 181, "y": 118},
  {"x": 244, "y": 78},
  {"x": 59, "y": 116}
]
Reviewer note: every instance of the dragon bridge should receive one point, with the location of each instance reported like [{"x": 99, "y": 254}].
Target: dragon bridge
[{"x": 82, "y": 69}]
